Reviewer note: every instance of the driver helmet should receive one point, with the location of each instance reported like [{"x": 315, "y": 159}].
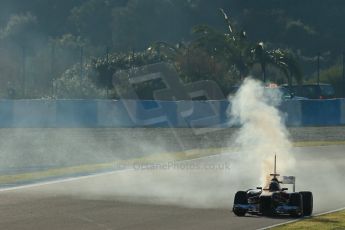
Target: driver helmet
[{"x": 274, "y": 186}]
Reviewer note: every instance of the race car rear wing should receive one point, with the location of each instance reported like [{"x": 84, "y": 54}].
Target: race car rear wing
[{"x": 290, "y": 180}]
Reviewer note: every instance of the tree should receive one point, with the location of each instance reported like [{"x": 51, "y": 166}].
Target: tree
[
  {"x": 231, "y": 46},
  {"x": 141, "y": 23},
  {"x": 283, "y": 60},
  {"x": 288, "y": 63},
  {"x": 107, "y": 66},
  {"x": 21, "y": 29},
  {"x": 234, "y": 47},
  {"x": 92, "y": 20}
]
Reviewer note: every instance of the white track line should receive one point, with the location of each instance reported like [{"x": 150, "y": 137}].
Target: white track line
[
  {"x": 60, "y": 180},
  {"x": 304, "y": 218}
]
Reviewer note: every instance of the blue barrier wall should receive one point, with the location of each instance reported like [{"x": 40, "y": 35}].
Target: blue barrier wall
[
  {"x": 6, "y": 113},
  {"x": 135, "y": 113},
  {"x": 33, "y": 113},
  {"x": 291, "y": 111},
  {"x": 152, "y": 113},
  {"x": 76, "y": 113},
  {"x": 321, "y": 112},
  {"x": 208, "y": 114},
  {"x": 112, "y": 113},
  {"x": 342, "y": 109}
]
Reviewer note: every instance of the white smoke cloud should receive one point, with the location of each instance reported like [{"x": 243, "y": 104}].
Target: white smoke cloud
[{"x": 263, "y": 133}]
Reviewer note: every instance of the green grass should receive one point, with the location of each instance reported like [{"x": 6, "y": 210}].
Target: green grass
[
  {"x": 330, "y": 221},
  {"x": 317, "y": 143}
]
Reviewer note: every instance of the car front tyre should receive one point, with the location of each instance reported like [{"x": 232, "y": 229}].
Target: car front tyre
[{"x": 240, "y": 199}]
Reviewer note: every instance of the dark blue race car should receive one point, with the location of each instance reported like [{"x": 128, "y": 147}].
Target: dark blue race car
[{"x": 274, "y": 200}]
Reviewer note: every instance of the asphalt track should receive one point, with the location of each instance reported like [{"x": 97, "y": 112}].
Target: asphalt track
[{"x": 169, "y": 199}]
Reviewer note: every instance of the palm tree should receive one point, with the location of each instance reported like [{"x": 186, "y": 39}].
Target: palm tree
[
  {"x": 282, "y": 59},
  {"x": 287, "y": 62},
  {"x": 234, "y": 47},
  {"x": 231, "y": 46}
]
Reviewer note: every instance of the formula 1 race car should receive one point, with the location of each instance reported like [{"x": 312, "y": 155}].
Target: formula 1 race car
[{"x": 274, "y": 200}]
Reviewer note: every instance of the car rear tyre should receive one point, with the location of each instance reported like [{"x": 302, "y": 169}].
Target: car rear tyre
[
  {"x": 296, "y": 200},
  {"x": 307, "y": 203}
]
